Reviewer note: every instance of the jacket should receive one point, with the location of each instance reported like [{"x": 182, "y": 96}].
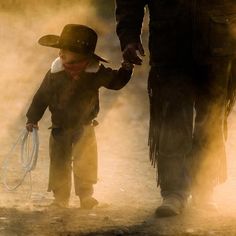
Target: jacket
[
  {"x": 73, "y": 103},
  {"x": 179, "y": 30}
]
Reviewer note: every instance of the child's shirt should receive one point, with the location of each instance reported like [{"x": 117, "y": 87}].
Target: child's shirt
[{"x": 73, "y": 103}]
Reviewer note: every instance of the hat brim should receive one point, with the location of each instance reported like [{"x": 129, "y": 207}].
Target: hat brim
[{"x": 53, "y": 41}]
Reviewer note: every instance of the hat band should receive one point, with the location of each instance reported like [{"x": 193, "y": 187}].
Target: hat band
[{"x": 78, "y": 46}]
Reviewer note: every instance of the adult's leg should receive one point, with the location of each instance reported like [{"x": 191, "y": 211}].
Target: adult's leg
[
  {"x": 60, "y": 147},
  {"x": 170, "y": 138},
  {"x": 208, "y": 153}
]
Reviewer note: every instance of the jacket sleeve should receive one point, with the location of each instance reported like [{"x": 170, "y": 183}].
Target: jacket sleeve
[
  {"x": 40, "y": 101},
  {"x": 129, "y": 17},
  {"x": 113, "y": 79}
]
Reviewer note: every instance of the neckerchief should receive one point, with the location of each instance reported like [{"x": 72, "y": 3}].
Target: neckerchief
[{"x": 75, "y": 69}]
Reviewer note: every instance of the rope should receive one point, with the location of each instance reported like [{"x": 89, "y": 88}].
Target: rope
[{"x": 28, "y": 156}]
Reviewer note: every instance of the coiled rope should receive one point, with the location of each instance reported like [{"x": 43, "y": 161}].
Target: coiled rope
[{"x": 28, "y": 156}]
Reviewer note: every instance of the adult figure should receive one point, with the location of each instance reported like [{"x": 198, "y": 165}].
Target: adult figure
[{"x": 191, "y": 50}]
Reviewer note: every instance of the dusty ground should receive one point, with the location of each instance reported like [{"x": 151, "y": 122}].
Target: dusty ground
[{"x": 126, "y": 188}]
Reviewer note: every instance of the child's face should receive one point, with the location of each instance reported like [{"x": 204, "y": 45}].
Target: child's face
[{"x": 69, "y": 57}]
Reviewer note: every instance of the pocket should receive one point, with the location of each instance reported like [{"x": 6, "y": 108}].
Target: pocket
[
  {"x": 214, "y": 34},
  {"x": 222, "y": 35}
]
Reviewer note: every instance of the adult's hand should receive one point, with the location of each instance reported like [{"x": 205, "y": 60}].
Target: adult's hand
[{"x": 130, "y": 53}]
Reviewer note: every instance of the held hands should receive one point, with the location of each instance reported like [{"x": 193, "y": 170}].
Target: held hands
[
  {"x": 130, "y": 53},
  {"x": 127, "y": 65},
  {"x": 30, "y": 126}
]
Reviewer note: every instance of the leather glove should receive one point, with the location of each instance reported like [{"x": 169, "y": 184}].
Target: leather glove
[
  {"x": 130, "y": 53},
  {"x": 30, "y": 126}
]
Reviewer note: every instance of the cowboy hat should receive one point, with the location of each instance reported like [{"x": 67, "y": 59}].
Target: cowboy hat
[{"x": 76, "y": 38}]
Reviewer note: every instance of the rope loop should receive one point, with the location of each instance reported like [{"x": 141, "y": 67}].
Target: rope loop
[{"x": 28, "y": 156}]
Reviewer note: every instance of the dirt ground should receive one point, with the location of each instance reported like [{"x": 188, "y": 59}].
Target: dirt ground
[{"x": 126, "y": 189}]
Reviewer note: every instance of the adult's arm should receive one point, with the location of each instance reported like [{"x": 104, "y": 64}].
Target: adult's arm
[{"x": 129, "y": 17}]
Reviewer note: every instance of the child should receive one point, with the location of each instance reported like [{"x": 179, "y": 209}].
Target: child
[{"x": 70, "y": 90}]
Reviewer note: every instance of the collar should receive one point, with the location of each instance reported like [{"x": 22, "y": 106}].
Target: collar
[{"x": 57, "y": 66}]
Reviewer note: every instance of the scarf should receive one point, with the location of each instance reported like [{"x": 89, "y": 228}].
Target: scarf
[{"x": 75, "y": 69}]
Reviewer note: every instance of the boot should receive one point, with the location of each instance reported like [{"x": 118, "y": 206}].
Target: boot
[
  {"x": 61, "y": 198},
  {"x": 171, "y": 206},
  {"x": 85, "y": 193},
  {"x": 60, "y": 203},
  {"x": 88, "y": 202}
]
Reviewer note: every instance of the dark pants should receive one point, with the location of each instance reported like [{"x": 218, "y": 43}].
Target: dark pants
[
  {"x": 187, "y": 117},
  {"x": 69, "y": 147},
  {"x": 208, "y": 156}
]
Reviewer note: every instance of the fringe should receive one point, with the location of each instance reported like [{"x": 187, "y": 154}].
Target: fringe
[
  {"x": 154, "y": 130},
  {"x": 218, "y": 164},
  {"x": 153, "y": 138},
  {"x": 231, "y": 93}
]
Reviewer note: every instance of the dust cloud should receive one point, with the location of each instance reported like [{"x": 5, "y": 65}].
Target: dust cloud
[
  {"x": 23, "y": 61},
  {"x": 23, "y": 65},
  {"x": 126, "y": 179}
]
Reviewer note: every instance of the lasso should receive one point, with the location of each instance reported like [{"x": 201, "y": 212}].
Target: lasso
[{"x": 28, "y": 158}]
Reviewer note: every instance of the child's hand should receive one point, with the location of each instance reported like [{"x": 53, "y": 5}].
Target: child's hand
[
  {"x": 130, "y": 53},
  {"x": 127, "y": 65},
  {"x": 30, "y": 126}
]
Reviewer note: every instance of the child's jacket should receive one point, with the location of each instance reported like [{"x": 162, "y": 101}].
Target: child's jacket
[{"x": 73, "y": 103}]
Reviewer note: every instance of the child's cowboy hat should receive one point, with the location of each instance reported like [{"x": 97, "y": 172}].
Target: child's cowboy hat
[{"x": 76, "y": 38}]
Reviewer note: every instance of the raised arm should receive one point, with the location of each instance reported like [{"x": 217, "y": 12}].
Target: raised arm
[{"x": 114, "y": 79}]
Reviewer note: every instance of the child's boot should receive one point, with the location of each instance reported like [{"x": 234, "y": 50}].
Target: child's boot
[
  {"x": 85, "y": 193},
  {"x": 88, "y": 202},
  {"x": 61, "y": 199}
]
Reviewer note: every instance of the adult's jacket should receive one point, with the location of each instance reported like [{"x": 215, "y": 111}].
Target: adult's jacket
[{"x": 180, "y": 31}]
